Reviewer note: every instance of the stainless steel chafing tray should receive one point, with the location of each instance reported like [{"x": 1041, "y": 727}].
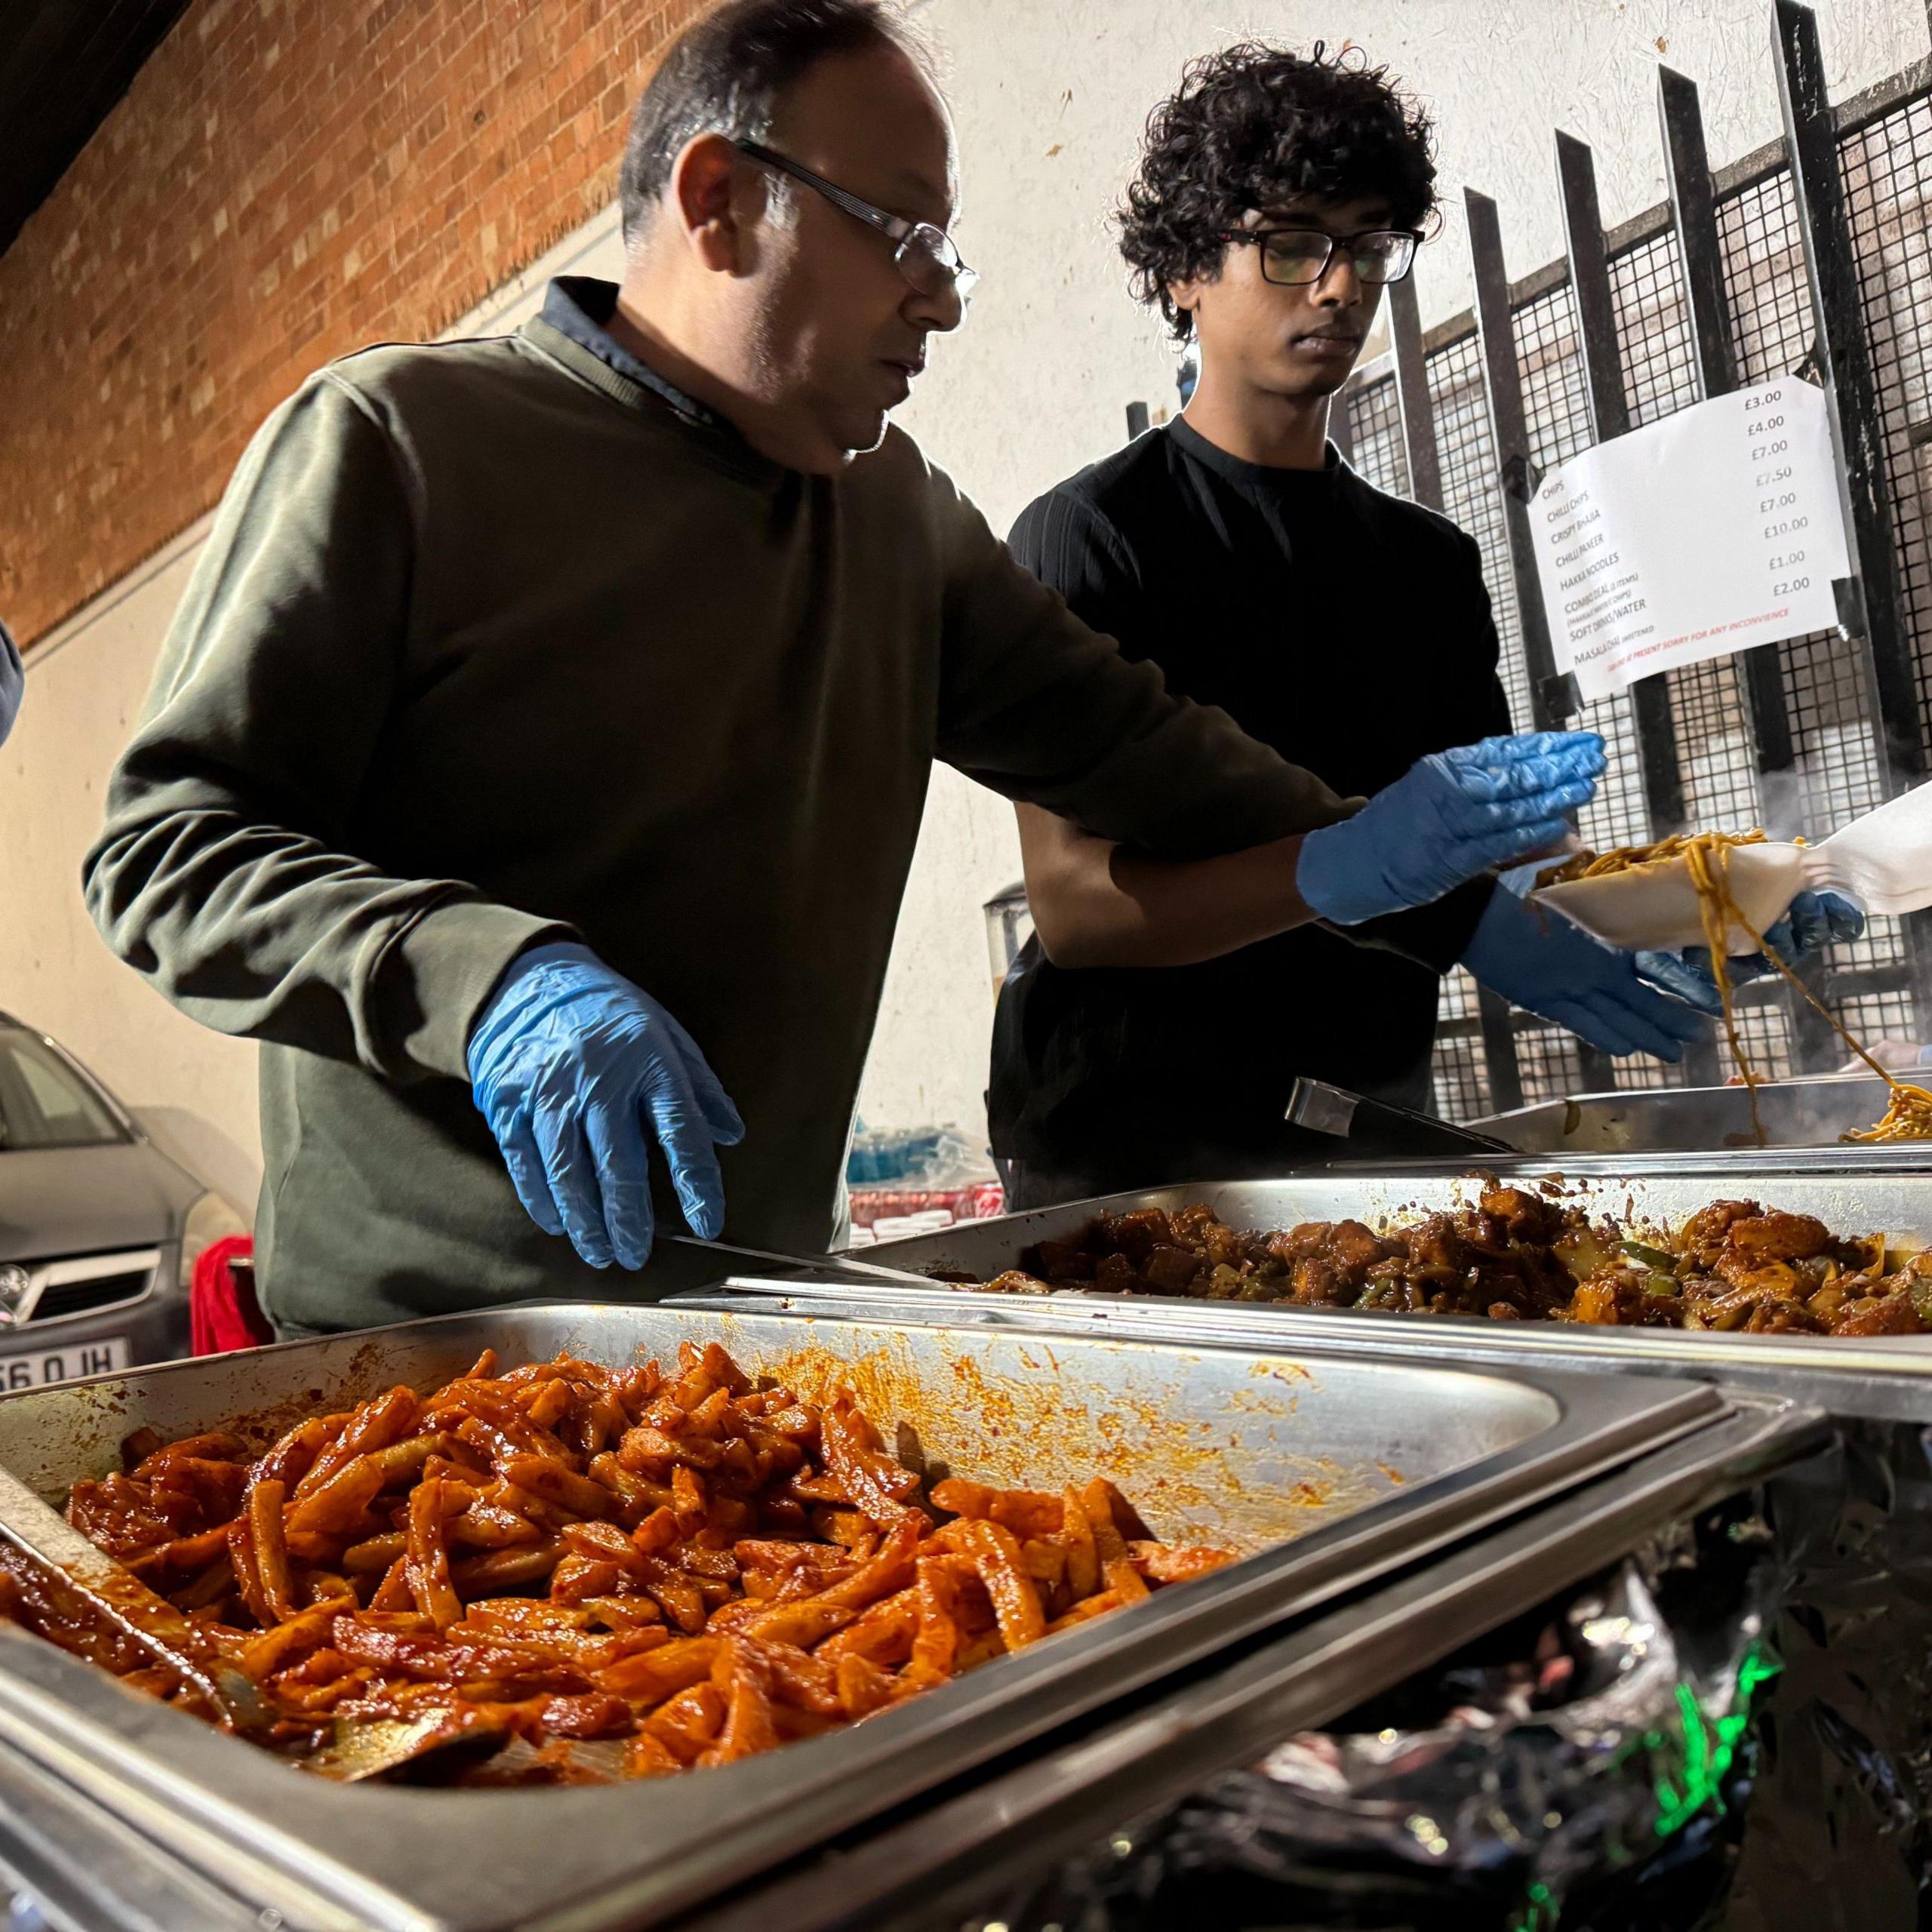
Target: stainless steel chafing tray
[
  {"x": 938, "y": 1866},
  {"x": 1887, "y": 1377},
  {"x": 1796, "y": 1113},
  {"x": 1334, "y": 1468}
]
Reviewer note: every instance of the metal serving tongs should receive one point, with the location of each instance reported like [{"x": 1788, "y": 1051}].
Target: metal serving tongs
[
  {"x": 119, "y": 1596},
  {"x": 815, "y": 1264},
  {"x": 1383, "y": 1130},
  {"x": 365, "y": 1748}
]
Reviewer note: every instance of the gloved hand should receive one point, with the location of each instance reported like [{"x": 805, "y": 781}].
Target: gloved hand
[
  {"x": 13, "y": 683},
  {"x": 1537, "y": 960},
  {"x": 567, "y": 1059},
  {"x": 1812, "y": 920},
  {"x": 1449, "y": 816}
]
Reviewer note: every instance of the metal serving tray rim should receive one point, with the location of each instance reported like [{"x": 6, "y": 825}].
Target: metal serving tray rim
[
  {"x": 1303, "y": 1676},
  {"x": 499, "y": 1854},
  {"x": 1245, "y": 1324},
  {"x": 1472, "y": 1334}
]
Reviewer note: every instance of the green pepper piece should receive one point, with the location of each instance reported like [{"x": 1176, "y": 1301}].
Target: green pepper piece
[{"x": 1651, "y": 1257}]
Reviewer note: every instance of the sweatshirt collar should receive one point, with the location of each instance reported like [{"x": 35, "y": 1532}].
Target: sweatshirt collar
[
  {"x": 578, "y": 308},
  {"x": 571, "y": 331}
]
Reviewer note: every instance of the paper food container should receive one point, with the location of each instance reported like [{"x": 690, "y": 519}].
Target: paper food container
[
  {"x": 1883, "y": 860},
  {"x": 1655, "y": 905}
]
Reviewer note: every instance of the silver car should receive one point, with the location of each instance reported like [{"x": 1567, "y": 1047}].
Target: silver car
[{"x": 99, "y": 1231}]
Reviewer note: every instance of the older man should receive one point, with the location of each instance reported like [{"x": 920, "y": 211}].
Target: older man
[{"x": 532, "y": 692}]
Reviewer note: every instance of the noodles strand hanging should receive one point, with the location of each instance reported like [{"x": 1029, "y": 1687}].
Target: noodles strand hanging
[{"x": 1706, "y": 855}]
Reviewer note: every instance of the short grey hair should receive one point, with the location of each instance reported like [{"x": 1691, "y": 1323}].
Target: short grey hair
[{"x": 727, "y": 73}]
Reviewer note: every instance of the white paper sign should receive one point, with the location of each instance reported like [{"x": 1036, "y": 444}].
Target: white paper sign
[{"x": 1711, "y": 531}]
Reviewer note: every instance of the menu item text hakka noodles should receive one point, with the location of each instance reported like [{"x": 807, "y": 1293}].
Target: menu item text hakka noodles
[
  {"x": 1707, "y": 854},
  {"x": 1513, "y": 1255},
  {"x": 610, "y": 1573}
]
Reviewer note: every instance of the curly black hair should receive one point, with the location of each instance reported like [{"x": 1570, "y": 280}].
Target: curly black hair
[{"x": 1256, "y": 125}]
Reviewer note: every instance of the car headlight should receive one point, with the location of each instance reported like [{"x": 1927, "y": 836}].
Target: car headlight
[{"x": 208, "y": 1221}]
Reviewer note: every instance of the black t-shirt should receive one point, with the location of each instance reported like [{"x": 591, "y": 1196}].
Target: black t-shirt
[{"x": 1352, "y": 631}]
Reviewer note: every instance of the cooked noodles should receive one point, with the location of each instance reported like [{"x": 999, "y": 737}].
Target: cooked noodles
[
  {"x": 1601, "y": 865},
  {"x": 1706, "y": 855},
  {"x": 1908, "y": 1117}
]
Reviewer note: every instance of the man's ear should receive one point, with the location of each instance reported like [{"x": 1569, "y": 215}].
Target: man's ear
[
  {"x": 701, "y": 195},
  {"x": 1186, "y": 296}
]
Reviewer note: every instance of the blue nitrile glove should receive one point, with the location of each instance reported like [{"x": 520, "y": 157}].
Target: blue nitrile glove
[
  {"x": 1449, "y": 816},
  {"x": 1812, "y": 920},
  {"x": 13, "y": 683},
  {"x": 1537, "y": 960},
  {"x": 568, "y": 1061}
]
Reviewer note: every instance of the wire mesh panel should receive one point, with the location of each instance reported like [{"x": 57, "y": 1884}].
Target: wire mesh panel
[
  {"x": 1888, "y": 187},
  {"x": 1556, "y": 413},
  {"x": 1461, "y": 1076},
  {"x": 1471, "y": 496},
  {"x": 1375, "y": 425},
  {"x": 1550, "y": 1062},
  {"x": 1837, "y": 774},
  {"x": 1826, "y": 692},
  {"x": 1880, "y": 1019},
  {"x": 1652, "y": 330},
  {"x": 1556, "y": 404},
  {"x": 1763, "y": 1030}
]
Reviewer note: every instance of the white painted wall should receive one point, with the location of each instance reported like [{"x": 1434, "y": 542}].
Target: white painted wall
[{"x": 1050, "y": 97}]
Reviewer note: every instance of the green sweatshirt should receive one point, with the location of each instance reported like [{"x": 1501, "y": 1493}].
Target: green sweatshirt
[{"x": 490, "y": 643}]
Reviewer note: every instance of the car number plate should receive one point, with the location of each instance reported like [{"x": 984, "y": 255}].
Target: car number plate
[{"x": 39, "y": 1367}]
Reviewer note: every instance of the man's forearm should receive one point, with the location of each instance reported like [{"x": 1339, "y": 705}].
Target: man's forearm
[{"x": 1138, "y": 911}]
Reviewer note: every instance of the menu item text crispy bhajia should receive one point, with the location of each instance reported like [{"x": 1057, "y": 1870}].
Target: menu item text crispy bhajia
[
  {"x": 1513, "y": 1255},
  {"x": 607, "y": 1573}
]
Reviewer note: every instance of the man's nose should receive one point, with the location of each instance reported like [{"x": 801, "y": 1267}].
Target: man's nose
[
  {"x": 940, "y": 312},
  {"x": 1340, "y": 286}
]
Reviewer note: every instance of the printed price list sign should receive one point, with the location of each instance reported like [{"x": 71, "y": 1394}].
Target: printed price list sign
[{"x": 1712, "y": 531}]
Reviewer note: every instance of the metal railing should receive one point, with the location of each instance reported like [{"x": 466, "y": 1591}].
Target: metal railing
[{"x": 1754, "y": 272}]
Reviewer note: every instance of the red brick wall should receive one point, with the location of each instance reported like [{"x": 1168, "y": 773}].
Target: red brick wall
[{"x": 286, "y": 180}]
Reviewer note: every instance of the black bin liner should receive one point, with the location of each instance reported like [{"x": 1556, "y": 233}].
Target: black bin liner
[
  {"x": 1731, "y": 1729},
  {"x": 1585, "y": 1765}
]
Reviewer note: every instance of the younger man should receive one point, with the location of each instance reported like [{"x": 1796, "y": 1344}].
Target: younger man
[{"x": 1153, "y": 1030}]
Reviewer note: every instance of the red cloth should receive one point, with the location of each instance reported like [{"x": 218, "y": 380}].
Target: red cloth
[
  {"x": 974, "y": 1202},
  {"x": 223, "y": 1312}
]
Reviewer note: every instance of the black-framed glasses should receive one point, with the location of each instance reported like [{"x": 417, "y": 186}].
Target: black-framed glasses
[
  {"x": 1292, "y": 257},
  {"x": 925, "y": 255}
]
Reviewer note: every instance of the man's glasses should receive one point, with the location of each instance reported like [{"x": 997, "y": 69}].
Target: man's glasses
[
  {"x": 925, "y": 255},
  {"x": 1293, "y": 257}
]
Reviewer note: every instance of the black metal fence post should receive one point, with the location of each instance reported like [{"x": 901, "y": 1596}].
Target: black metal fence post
[
  {"x": 1694, "y": 211},
  {"x": 1844, "y": 355},
  {"x": 1610, "y": 416},
  {"x": 1654, "y": 727},
  {"x": 1700, "y": 254},
  {"x": 1412, "y": 395},
  {"x": 1551, "y": 703},
  {"x": 1418, "y": 413},
  {"x": 1550, "y": 707}
]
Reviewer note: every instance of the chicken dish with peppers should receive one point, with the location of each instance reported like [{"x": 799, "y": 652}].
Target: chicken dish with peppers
[{"x": 1513, "y": 1255}]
